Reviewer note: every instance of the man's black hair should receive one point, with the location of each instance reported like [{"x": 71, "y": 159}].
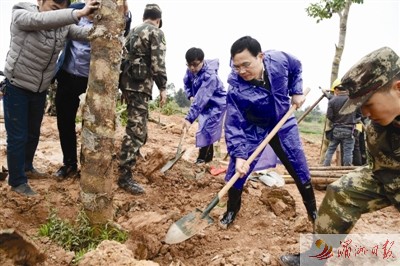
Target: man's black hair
[
  {"x": 244, "y": 43},
  {"x": 194, "y": 54},
  {"x": 62, "y": 1}
]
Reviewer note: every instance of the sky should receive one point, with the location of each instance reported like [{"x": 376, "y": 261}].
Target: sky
[{"x": 213, "y": 25}]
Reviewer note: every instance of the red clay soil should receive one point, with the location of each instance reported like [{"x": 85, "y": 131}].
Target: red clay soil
[{"x": 269, "y": 223}]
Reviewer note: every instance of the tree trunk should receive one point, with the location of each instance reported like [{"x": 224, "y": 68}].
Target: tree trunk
[
  {"x": 343, "y": 15},
  {"x": 99, "y": 114}
]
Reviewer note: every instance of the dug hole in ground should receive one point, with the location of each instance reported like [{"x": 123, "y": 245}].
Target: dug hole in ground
[{"x": 268, "y": 225}]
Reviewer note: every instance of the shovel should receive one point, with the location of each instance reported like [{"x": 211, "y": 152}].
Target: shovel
[
  {"x": 178, "y": 154},
  {"x": 194, "y": 222}
]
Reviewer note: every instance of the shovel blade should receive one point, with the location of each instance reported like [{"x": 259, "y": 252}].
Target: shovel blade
[
  {"x": 170, "y": 163},
  {"x": 187, "y": 226}
]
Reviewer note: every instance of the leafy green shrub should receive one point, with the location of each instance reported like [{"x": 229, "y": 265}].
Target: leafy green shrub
[
  {"x": 122, "y": 113},
  {"x": 80, "y": 236}
]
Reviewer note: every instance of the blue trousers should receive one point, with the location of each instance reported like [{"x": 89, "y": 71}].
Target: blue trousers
[
  {"x": 23, "y": 114},
  {"x": 345, "y": 137}
]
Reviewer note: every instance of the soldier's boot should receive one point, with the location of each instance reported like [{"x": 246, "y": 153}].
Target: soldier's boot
[
  {"x": 301, "y": 259},
  {"x": 126, "y": 182},
  {"x": 290, "y": 260},
  {"x": 233, "y": 207}
]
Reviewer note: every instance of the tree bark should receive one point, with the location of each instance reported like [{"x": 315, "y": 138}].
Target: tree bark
[
  {"x": 99, "y": 113},
  {"x": 343, "y": 15}
]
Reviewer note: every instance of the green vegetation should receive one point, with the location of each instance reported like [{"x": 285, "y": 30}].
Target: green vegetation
[
  {"x": 122, "y": 113},
  {"x": 79, "y": 237},
  {"x": 314, "y": 128}
]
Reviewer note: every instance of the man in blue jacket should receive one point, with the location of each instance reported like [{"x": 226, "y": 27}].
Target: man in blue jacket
[
  {"x": 206, "y": 92},
  {"x": 72, "y": 77},
  {"x": 263, "y": 85}
]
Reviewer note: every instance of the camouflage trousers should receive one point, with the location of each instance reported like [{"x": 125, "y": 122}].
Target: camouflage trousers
[
  {"x": 358, "y": 192},
  {"x": 136, "y": 129}
]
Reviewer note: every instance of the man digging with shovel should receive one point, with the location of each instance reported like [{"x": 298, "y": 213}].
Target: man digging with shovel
[
  {"x": 207, "y": 95},
  {"x": 260, "y": 86}
]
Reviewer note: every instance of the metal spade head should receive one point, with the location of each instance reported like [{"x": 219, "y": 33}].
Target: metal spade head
[
  {"x": 171, "y": 162},
  {"x": 187, "y": 226}
]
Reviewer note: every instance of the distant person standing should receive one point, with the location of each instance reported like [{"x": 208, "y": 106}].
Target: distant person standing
[
  {"x": 38, "y": 34},
  {"x": 146, "y": 51},
  {"x": 207, "y": 95},
  {"x": 72, "y": 78},
  {"x": 343, "y": 126},
  {"x": 328, "y": 124}
]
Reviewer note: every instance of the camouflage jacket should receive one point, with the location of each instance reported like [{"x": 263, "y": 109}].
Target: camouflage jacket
[
  {"x": 384, "y": 146},
  {"x": 146, "y": 43}
]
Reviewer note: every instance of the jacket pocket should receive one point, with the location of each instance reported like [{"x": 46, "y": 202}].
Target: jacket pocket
[
  {"x": 342, "y": 133},
  {"x": 140, "y": 70}
]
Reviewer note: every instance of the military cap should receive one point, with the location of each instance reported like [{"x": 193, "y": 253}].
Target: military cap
[
  {"x": 369, "y": 74},
  {"x": 152, "y": 11}
]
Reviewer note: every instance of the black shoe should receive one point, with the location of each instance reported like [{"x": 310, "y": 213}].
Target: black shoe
[
  {"x": 232, "y": 208},
  {"x": 200, "y": 161},
  {"x": 66, "y": 171},
  {"x": 227, "y": 219},
  {"x": 290, "y": 260},
  {"x": 297, "y": 260},
  {"x": 129, "y": 185},
  {"x": 34, "y": 174},
  {"x": 24, "y": 189}
]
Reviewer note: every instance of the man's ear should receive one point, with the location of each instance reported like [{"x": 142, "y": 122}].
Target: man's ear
[{"x": 396, "y": 87}]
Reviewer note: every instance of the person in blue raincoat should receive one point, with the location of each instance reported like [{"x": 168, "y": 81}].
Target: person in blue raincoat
[
  {"x": 206, "y": 92},
  {"x": 262, "y": 87}
]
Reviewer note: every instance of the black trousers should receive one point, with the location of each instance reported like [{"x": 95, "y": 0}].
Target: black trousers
[
  {"x": 69, "y": 88},
  {"x": 206, "y": 153}
]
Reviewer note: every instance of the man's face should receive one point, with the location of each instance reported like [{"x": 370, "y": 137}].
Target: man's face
[
  {"x": 247, "y": 66},
  {"x": 383, "y": 106},
  {"x": 195, "y": 66},
  {"x": 48, "y": 5}
]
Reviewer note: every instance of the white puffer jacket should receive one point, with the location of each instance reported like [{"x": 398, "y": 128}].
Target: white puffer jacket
[{"x": 36, "y": 41}]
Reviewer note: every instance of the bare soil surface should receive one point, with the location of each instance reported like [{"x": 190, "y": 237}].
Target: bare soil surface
[{"x": 269, "y": 223}]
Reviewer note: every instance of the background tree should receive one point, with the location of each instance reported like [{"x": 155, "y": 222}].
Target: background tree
[
  {"x": 99, "y": 113},
  {"x": 325, "y": 9},
  {"x": 181, "y": 99}
]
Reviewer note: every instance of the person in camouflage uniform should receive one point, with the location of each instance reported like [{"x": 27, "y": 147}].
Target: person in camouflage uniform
[
  {"x": 374, "y": 86},
  {"x": 146, "y": 48}
]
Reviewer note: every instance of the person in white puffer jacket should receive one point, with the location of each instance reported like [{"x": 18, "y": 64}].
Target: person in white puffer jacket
[{"x": 38, "y": 34}]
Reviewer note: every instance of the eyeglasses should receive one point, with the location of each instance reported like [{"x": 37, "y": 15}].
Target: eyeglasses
[
  {"x": 194, "y": 64},
  {"x": 243, "y": 66}
]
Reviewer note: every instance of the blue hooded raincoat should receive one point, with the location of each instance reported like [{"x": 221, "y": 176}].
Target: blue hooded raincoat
[
  {"x": 252, "y": 112},
  {"x": 209, "y": 103}
]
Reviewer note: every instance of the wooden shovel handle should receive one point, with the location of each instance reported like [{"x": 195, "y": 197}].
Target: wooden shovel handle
[
  {"x": 261, "y": 146},
  {"x": 180, "y": 142}
]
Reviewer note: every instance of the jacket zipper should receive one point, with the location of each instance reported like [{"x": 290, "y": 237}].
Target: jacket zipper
[{"x": 51, "y": 57}]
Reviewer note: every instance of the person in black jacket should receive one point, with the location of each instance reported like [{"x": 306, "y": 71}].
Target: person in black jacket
[
  {"x": 72, "y": 78},
  {"x": 343, "y": 128}
]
